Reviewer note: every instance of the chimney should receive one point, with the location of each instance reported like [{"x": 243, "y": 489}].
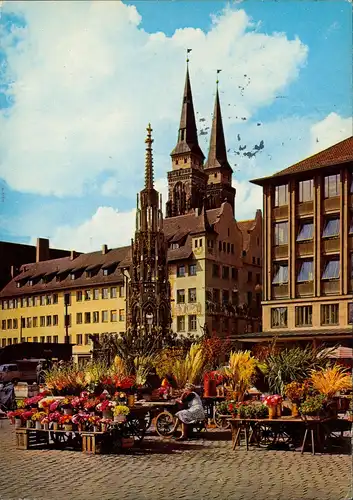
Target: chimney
[
  {"x": 104, "y": 249},
  {"x": 73, "y": 255},
  {"x": 42, "y": 251}
]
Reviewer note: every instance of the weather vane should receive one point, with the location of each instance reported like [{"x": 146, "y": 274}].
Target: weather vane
[
  {"x": 187, "y": 54},
  {"x": 218, "y": 71}
]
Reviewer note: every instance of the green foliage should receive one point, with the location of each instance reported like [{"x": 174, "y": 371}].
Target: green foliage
[
  {"x": 293, "y": 365},
  {"x": 313, "y": 405},
  {"x": 252, "y": 409}
]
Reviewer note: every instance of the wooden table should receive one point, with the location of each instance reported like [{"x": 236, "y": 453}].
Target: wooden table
[{"x": 250, "y": 428}]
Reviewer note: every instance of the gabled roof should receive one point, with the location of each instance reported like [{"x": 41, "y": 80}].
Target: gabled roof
[{"x": 339, "y": 153}]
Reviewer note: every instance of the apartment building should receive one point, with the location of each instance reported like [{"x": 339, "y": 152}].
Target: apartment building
[{"x": 308, "y": 249}]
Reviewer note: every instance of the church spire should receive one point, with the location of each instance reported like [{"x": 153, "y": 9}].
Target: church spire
[
  {"x": 187, "y": 135},
  {"x": 149, "y": 160},
  {"x": 217, "y": 154}
]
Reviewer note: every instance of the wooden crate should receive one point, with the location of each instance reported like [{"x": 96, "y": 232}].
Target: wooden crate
[
  {"x": 29, "y": 438},
  {"x": 92, "y": 442}
]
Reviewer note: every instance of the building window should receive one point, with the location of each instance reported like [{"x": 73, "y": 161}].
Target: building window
[
  {"x": 258, "y": 278},
  {"x": 96, "y": 294},
  {"x": 228, "y": 247},
  {"x": 225, "y": 272},
  {"x": 329, "y": 314},
  {"x": 87, "y": 317},
  {"x": 350, "y": 313},
  {"x": 232, "y": 248},
  {"x": 216, "y": 295},
  {"x": 181, "y": 271},
  {"x": 87, "y": 294},
  {"x": 78, "y": 318},
  {"x": 180, "y": 296},
  {"x": 35, "y": 322},
  {"x": 30, "y": 302},
  {"x": 331, "y": 270},
  {"x": 15, "y": 324},
  {"x": 306, "y": 189},
  {"x": 48, "y": 300},
  {"x": 192, "y": 322},
  {"x": 215, "y": 271},
  {"x": 196, "y": 243},
  {"x": 104, "y": 293},
  {"x": 306, "y": 271},
  {"x": 174, "y": 246},
  {"x": 78, "y": 296},
  {"x": 104, "y": 316},
  {"x": 29, "y": 322},
  {"x": 253, "y": 260},
  {"x": 192, "y": 294},
  {"x": 48, "y": 321},
  {"x": 49, "y": 339},
  {"x": 121, "y": 315},
  {"x": 9, "y": 341},
  {"x": 332, "y": 228},
  {"x": 42, "y": 339},
  {"x": 224, "y": 246},
  {"x": 113, "y": 294},
  {"x": 23, "y": 322},
  {"x": 234, "y": 273},
  {"x": 4, "y": 304},
  {"x": 86, "y": 338},
  {"x": 42, "y": 300},
  {"x": 9, "y": 324},
  {"x": 72, "y": 276},
  {"x": 192, "y": 270},
  {"x": 225, "y": 297},
  {"x": 55, "y": 298},
  {"x": 42, "y": 321},
  {"x": 181, "y": 323},
  {"x": 35, "y": 339},
  {"x": 67, "y": 299},
  {"x": 281, "y": 195},
  {"x": 55, "y": 339},
  {"x": 280, "y": 274},
  {"x": 36, "y": 301},
  {"x": 249, "y": 275},
  {"x": 113, "y": 316},
  {"x": 249, "y": 294},
  {"x": 281, "y": 233},
  {"x": 121, "y": 291},
  {"x": 55, "y": 320},
  {"x": 105, "y": 272},
  {"x": 95, "y": 316},
  {"x": 220, "y": 246},
  {"x": 235, "y": 298},
  {"x": 279, "y": 317},
  {"x": 79, "y": 339},
  {"x": 351, "y": 225},
  {"x": 306, "y": 231},
  {"x": 332, "y": 186},
  {"x": 303, "y": 316}
]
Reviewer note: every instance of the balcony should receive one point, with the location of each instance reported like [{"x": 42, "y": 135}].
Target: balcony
[
  {"x": 332, "y": 204},
  {"x": 305, "y": 208},
  {"x": 304, "y": 289},
  {"x": 280, "y": 291},
  {"x": 331, "y": 287},
  {"x": 331, "y": 245},
  {"x": 280, "y": 252},
  {"x": 305, "y": 248},
  {"x": 280, "y": 212}
]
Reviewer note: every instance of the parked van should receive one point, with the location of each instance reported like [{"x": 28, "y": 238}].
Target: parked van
[{"x": 20, "y": 371}]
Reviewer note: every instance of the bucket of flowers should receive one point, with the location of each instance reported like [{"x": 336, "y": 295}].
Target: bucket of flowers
[
  {"x": 94, "y": 422},
  {"x": 81, "y": 420},
  {"x": 90, "y": 405},
  {"x": 313, "y": 408},
  {"x": 16, "y": 417},
  {"x": 27, "y": 417},
  {"x": 120, "y": 413},
  {"x": 37, "y": 419},
  {"x": 273, "y": 402},
  {"x": 295, "y": 392},
  {"x": 45, "y": 422},
  {"x": 66, "y": 422},
  {"x": 54, "y": 420},
  {"x": 66, "y": 405},
  {"x": 105, "y": 423},
  {"x": 105, "y": 407}
]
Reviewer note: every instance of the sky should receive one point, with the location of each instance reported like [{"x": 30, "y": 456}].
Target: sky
[{"x": 80, "y": 81}]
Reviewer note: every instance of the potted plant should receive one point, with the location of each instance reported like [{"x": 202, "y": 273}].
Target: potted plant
[
  {"x": 313, "y": 407},
  {"x": 120, "y": 413},
  {"x": 105, "y": 423},
  {"x": 295, "y": 392},
  {"x": 241, "y": 372},
  {"x": 54, "y": 419},
  {"x": 330, "y": 381},
  {"x": 45, "y": 423},
  {"x": 37, "y": 419},
  {"x": 272, "y": 402},
  {"x": 66, "y": 422},
  {"x": 105, "y": 407}
]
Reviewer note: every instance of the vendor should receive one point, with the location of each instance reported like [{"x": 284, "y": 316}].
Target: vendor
[{"x": 194, "y": 412}]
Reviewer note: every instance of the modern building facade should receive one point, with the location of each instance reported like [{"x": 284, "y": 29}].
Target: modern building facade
[
  {"x": 308, "y": 249},
  {"x": 214, "y": 262}
]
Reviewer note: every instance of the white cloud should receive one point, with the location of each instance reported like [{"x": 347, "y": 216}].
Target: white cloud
[
  {"x": 248, "y": 199},
  {"x": 87, "y": 79},
  {"x": 329, "y": 131}
]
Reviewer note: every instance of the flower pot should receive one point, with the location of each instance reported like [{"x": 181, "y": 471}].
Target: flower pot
[
  {"x": 131, "y": 400},
  {"x": 104, "y": 427},
  {"x": 95, "y": 428},
  {"x": 46, "y": 427},
  {"x": 18, "y": 423},
  {"x": 29, "y": 424},
  {"x": 107, "y": 414},
  {"x": 279, "y": 410},
  {"x": 272, "y": 412},
  {"x": 295, "y": 411},
  {"x": 55, "y": 426},
  {"x": 210, "y": 388},
  {"x": 68, "y": 427},
  {"x": 67, "y": 411},
  {"x": 38, "y": 425},
  {"x": 119, "y": 418}
]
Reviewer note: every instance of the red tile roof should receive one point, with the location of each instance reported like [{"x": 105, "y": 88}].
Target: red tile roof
[{"x": 339, "y": 153}]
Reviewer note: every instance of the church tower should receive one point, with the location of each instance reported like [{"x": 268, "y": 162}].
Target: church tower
[
  {"x": 217, "y": 168},
  {"x": 149, "y": 291},
  {"x": 187, "y": 180}
]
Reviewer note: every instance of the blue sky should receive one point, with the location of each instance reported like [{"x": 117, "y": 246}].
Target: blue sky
[{"x": 79, "y": 83}]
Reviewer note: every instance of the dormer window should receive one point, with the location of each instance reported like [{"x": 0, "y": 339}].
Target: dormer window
[
  {"x": 18, "y": 284},
  {"x": 105, "y": 272},
  {"x": 72, "y": 276},
  {"x": 30, "y": 282},
  {"x": 173, "y": 246}
]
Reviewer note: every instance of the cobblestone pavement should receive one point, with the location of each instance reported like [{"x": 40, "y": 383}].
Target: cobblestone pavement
[{"x": 197, "y": 470}]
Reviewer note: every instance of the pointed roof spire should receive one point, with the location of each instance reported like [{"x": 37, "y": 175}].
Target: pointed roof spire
[
  {"x": 149, "y": 160},
  {"x": 217, "y": 154},
  {"x": 187, "y": 136}
]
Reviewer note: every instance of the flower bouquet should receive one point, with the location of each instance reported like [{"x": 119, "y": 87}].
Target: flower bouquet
[
  {"x": 120, "y": 413},
  {"x": 54, "y": 405},
  {"x": 105, "y": 423},
  {"x": 16, "y": 417},
  {"x": 54, "y": 419},
  {"x": 45, "y": 422},
  {"x": 27, "y": 417},
  {"x": 90, "y": 404},
  {"x": 66, "y": 422},
  {"x": 273, "y": 403},
  {"x": 105, "y": 407},
  {"x": 81, "y": 420},
  {"x": 37, "y": 418},
  {"x": 94, "y": 421},
  {"x": 295, "y": 392}
]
